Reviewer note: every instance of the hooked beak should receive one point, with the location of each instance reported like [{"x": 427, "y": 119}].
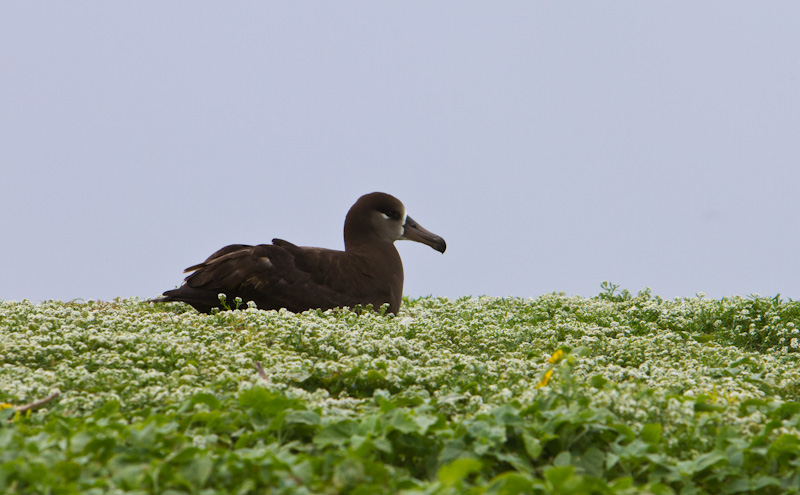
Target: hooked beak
[{"x": 412, "y": 231}]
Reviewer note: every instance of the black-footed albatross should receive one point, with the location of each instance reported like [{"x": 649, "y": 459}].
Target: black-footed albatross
[{"x": 282, "y": 275}]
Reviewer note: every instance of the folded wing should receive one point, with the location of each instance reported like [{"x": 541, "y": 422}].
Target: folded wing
[{"x": 274, "y": 276}]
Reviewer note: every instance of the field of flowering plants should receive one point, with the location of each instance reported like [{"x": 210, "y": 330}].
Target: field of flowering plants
[{"x": 614, "y": 394}]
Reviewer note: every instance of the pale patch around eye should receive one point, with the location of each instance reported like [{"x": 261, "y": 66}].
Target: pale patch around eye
[{"x": 403, "y": 224}]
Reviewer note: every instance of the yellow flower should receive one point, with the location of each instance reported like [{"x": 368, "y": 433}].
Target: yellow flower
[
  {"x": 5, "y": 405},
  {"x": 556, "y": 356},
  {"x": 546, "y": 378}
]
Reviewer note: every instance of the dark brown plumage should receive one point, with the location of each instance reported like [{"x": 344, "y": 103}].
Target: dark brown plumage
[{"x": 282, "y": 275}]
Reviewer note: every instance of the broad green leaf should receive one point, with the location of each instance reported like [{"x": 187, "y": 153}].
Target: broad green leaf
[
  {"x": 129, "y": 476},
  {"x": 79, "y": 441},
  {"x": 564, "y": 458},
  {"x": 704, "y": 338},
  {"x": 510, "y": 483},
  {"x": 400, "y": 419},
  {"x": 335, "y": 434},
  {"x": 709, "y": 459},
  {"x": 753, "y": 484},
  {"x": 383, "y": 445},
  {"x": 349, "y": 472},
  {"x": 457, "y": 470},
  {"x": 784, "y": 448},
  {"x": 302, "y": 417},
  {"x": 532, "y": 446},
  {"x": 304, "y": 471},
  {"x": 145, "y": 436},
  {"x": 183, "y": 455},
  {"x": 267, "y": 403},
  {"x": 424, "y": 422},
  {"x": 786, "y": 410},
  {"x": 507, "y": 415},
  {"x": 624, "y": 483},
  {"x": 559, "y": 475},
  {"x": 625, "y": 431},
  {"x": 67, "y": 470},
  {"x": 207, "y": 399},
  {"x": 592, "y": 461},
  {"x": 598, "y": 381},
  {"x": 701, "y": 405},
  {"x": 651, "y": 433}
]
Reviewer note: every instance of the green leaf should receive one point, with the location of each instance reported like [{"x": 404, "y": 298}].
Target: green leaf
[
  {"x": 651, "y": 433},
  {"x": 785, "y": 448},
  {"x": 625, "y": 431},
  {"x": 7, "y": 414},
  {"x": 304, "y": 471},
  {"x": 424, "y": 422},
  {"x": 453, "y": 450},
  {"x": 79, "y": 441},
  {"x": 400, "y": 419},
  {"x": 266, "y": 402},
  {"x": 302, "y": 417},
  {"x": 349, "y": 472},
  {"x": 335, "y": 434},
  {"x": 197, "y": 471},
  {"x": 183, "y": 455},
  {"x": 624, "y": 483},
  {"x": 703, "y": 338},
  {"x": 383, "y": 445},
  {"x": 144, "y": 436},
  {"x": 129, "y": 476},
  {"x": 702, "y": 405},
  {"x": 456, "y": 471},
  {"x": 208, "y": 399},
  {"x": 518, "y": 462},
  {"x": 532, "y": 446},
  {"x": 710, "y": 459},
  {"x": 564, "y": 458},
  {"x": 510, "y": 483},
  {"x": 559, "y": 475},
  {"x": 592, "y": 461},
  {"x": 753, "y": 484},
  {"x": 67, "y": 470},
  {"x": 109, "y": 408},
  {"x": 786, "y": 410},
  {"x": 507, "y": 415}
]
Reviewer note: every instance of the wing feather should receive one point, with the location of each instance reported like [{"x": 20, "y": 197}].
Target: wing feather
[{"x": 278, "y": 275}]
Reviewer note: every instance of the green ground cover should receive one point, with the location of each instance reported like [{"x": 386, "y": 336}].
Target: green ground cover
[{"x": 611, "y": 394}]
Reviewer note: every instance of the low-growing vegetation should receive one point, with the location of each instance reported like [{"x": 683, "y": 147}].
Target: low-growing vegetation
[{"x": 615, "y": 394}]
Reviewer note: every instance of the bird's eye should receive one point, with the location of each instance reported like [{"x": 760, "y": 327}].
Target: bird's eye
[{"x": 391, "y": 214}]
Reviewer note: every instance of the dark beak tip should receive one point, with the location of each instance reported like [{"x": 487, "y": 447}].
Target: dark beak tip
[{"x": 412, "y": 231}]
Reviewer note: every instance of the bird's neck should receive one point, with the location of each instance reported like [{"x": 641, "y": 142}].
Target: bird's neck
[
  {"x": 376, "y": 253},
  {"x": 382, "y": 262}
]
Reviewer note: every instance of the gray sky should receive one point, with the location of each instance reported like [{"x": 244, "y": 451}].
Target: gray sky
[{"x": 553, "y": 145}]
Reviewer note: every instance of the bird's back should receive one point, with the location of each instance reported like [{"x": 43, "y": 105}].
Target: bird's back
[{"x": 283, "y": 275}]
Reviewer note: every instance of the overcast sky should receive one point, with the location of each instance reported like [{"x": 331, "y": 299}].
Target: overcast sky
[{"x": 553, "y": 145}]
